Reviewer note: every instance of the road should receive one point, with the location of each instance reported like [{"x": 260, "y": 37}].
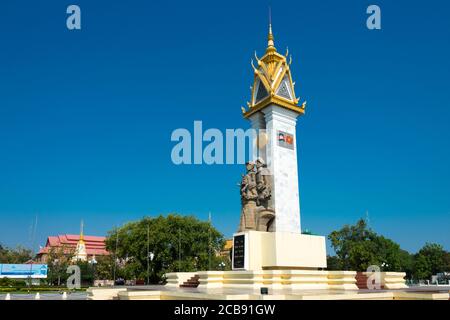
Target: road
[{"x": 45, "y": 296}]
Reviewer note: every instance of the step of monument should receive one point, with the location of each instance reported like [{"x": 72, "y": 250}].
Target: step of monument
[
  {"x": 192, "y": 282},
  {"x": 188, "y": 285},
  {"x": 361, "y": 280}
]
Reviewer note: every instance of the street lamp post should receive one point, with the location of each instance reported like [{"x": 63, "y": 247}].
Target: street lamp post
[
  {"x": 150, "y": 257},
  {"x": 93, "y": 262},
  {"x": 57, "y": 267},
  {"x": 115, "y": 257}
]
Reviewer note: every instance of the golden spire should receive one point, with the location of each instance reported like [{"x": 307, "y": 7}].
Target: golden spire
[
  {"x": 270, "y": 38},
  {"x": 80, "y": 250},
  {"x": 81, "y": 231},
  {"x": 273, "y": 82}
]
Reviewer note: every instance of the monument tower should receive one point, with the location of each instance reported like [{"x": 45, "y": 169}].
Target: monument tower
[
  {"x": 274, "y": 109},
  {"x": 269, "y": 235}
]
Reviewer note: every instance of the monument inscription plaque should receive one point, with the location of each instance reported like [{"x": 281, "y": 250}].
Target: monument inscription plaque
[{"x": 239, "y": 252}]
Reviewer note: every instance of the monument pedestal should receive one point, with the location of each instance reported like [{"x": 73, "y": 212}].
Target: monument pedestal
[{"x": 256, "y": 250}]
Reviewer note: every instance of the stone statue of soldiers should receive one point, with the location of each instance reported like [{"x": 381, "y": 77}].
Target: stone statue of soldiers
[
  {"x": 256, "y": 192},
  {"x": 264, "y": 213},
  {"x": 263, "y": 183},
  {"x": 249, "y": 196}
]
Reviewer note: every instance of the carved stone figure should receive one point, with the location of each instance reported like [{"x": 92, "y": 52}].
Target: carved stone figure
[
  {"x": 249, "y": 196},
  {"x": 264, "y": 214},
  {"x": 255, "y": 195},
  {"x": 263, "y": 183}
]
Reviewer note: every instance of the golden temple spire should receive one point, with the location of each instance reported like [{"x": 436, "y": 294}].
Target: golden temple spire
[
  {"x": 270, "y": 38},
  {"x": 81, "y": 231},
  {"x": 273, "y": 82},
  {"x": 80, "y": 250}
]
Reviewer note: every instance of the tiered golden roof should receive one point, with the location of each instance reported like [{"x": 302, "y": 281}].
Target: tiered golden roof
[{"x": 272, "y": 82}]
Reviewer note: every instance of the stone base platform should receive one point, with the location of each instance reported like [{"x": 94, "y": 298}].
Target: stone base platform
[
  {"x": 159, "y": 292},
  {"x": 282, "y": 284},
  {"x": 284, "y": 279},
  {"x": 275, "y": 279}
]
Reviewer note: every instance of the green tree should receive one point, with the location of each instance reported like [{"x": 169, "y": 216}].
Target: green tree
[
  {"x": 17, "y": 255},
  {"x": 407, "y": 263},
  {"x": 333, "y": 263},
  {"x": 430, "y": 260},
  {"x": 179, "y": 243},
  {"x": 357, "y": 247},
  {"x": 104, "y": 267},
  {"x": 87, "y": 271},
  {"x": 422, "y": 269},
  {"x": 447, "y": 261},
  {"x": 58, "y": 260}
]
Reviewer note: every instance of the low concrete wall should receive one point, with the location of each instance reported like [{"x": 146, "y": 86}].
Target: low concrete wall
[
  {"x": 285, "y": 279},
  {"x": 139, "y": 295},
  {"x": 279, "y": 279},
  {"x": 393, "y": 280},
  {"x": 342, "y": 280},
  {"x": 273, "y": 279},
  {"x": 307, "y": 295},
  {"x": 104, "y": 293},
  {"x": 388, "y": 280},
  {"x": 420, "y": 296}
]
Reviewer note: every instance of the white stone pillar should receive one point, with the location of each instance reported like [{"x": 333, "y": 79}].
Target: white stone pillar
[
  {"x": 258, "y": 123},
  {"x": 282, "y": 162}
]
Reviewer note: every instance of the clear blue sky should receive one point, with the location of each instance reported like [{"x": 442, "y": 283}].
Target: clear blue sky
[{"x": 86, "y": 116}]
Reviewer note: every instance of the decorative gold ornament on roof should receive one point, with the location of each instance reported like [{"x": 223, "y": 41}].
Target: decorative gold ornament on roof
[{"x": 272, "y": 80}]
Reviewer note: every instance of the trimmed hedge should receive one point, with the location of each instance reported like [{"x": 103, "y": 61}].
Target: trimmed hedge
[{"x": 8, "y": 282}]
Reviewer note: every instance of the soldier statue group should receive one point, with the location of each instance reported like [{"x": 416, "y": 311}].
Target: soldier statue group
[{"x": 256, "y": 213}]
